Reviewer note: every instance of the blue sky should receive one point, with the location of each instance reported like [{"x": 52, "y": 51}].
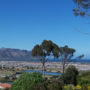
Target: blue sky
[{"x": 24, "y": 23}]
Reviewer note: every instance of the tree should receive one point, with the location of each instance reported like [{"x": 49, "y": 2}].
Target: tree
[
  {"x": 70, "y": 75},
  {"x": 65, "y": 54},
  {"x": 80, "y": 57},
  {"x": 82, "y": 7},
  {"x": 48, "y": 48},
  {"x": 43, "y": 51},
  {"x": 38, "y": 52},
  {"x": 27, "y": 81}
]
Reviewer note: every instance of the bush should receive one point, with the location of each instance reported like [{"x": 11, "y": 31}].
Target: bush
[
  {"x": 70, "y": 75},
  {"x": 27, "y": 81},
  {"x": 7, "y": 89},
  {"x": 84, "y": 79},
  {"x": 56, "y": 85},
  {"x": 39, "y": 86},
  {"x": 68, "y": 87}
]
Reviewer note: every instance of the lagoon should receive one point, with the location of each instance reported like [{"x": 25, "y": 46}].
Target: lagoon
[{"x": 46, "y": 73}]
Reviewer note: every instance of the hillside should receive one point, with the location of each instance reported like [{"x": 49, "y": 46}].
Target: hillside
[{"x": 9, "y": 54}]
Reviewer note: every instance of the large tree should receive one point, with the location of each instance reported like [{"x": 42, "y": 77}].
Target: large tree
[
  {"x": 65, "y": 55},
  {"x": 48, "y": 48},
  {"x": 82, "y": 7},
  {"x": 43, "y": 51}
]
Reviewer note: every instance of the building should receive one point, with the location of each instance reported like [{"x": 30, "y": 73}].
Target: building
[{"x": 4, "y": 86}]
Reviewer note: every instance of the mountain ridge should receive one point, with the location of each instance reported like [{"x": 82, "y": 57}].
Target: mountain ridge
[{"x": 11, "y": 54}]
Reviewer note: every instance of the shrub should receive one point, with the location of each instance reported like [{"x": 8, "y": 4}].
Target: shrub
[
  {"x": 70, "y": 75},
  {"x": 78, "y": 87},
  {"x": 39, "y": 86},
  {"x": 68, "y": 87},
  {"x": 56, "y": 85},
  {"x": 7, "y": 89},
  {"x": 84, "y": 78},
  {"x": 27, "y": 81}
]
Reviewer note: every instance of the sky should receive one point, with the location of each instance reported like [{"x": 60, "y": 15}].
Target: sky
[{"x": 25, "y": 23}]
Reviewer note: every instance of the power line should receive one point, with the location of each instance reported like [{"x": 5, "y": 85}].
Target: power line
[{"x": 85, "y": 33}]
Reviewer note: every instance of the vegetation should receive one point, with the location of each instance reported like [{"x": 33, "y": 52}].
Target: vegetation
[
  {"x": 56, "y": 85},
  {"x": 70, "y": 75},
  {"x": 83, "y": 82},
  {"x": 43, "y": 51},
  {"x": 73, "y": 80},
  {"x": 84, "y": 78},
  {"x": 66, "y": 55},
  {"x": 82, "y": 7},
  {"x": 27, "y": 81},
  {"x": 70, "y": 79},
  {"x": 48, "y": 48},
  {"x": 34, "y": 81},
  {"x": 39, "y": 86}
]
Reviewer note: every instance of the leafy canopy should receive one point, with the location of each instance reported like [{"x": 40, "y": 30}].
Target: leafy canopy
[
  {"x": 45, "y": 49},
  {"x": 63, "y": 52}
]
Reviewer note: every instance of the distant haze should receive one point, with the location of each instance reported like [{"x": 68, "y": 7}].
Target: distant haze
[{"x": 9, "y": 54}]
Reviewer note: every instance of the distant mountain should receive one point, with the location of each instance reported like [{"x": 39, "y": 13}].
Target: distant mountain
[{"x": 8, "y": 54}]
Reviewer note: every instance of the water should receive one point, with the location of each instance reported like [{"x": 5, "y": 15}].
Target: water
[
  {"x": 10, "y": 83},
  {"x": 73, "y": 60},
  {"x": 46, "y": 73}
]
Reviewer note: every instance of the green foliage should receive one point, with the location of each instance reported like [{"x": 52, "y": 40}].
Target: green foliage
[
  {"x": 56, "y": 51},
  {"x": 82, "y": 7},
  {"x": 63, "y": 51},
  {"x": 56, "y": 85},
  {"x": 66, "y": 55},
  {"x": 27, "y": 81},
  {"x": 70, "y": 75},
  {"x": 68, "y": 87},
  {"x": 84, "y": 78},
  {"x": 39, "y": 86},
  {"x": 66, "y": 50},
  {"x": 38, "y": 51},
  {"x": 47, "y": 46},
  {"x": 44, "y": 49}
]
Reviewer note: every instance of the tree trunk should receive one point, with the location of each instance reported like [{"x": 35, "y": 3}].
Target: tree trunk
[
  {"x": 63, "y": 68},
  {"x": 43, "y": 71},
  {"x": 43, "y": 67}
]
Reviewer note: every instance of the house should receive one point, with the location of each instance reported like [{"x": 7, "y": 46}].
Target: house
[{"x": 4, "y": 86}]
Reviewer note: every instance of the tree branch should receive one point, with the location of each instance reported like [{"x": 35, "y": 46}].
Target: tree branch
[{"x": 85, "y": 33}]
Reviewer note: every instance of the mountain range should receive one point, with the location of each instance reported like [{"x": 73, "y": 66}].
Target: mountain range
[{"x": 8, "y": 54}]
